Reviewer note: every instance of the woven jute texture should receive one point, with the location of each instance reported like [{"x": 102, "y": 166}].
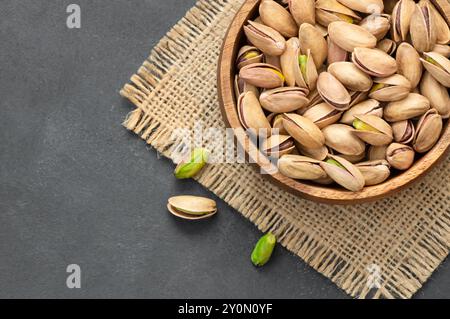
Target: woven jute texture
[{"x": 386, "y": 249}]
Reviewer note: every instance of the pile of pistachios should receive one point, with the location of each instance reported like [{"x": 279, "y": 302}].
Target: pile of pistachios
[{"x": 350, "y": 90}]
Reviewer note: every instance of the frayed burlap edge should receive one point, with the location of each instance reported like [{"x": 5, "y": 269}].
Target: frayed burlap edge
[{"x": 157, "y": 69}]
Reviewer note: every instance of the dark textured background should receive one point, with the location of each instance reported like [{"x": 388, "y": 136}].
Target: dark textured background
[{"x": 76, "y": 187}]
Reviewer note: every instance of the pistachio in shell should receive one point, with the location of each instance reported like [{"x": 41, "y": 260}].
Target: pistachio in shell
[
  {"x": 377, "y": 24},
  {"x": 316, "y": 153},
  {"x": 276, "y": 121},
  {"x": 428, "y": 131},
  {"x": 191, "y": 207},
  {"x": 442, "y": 49},
  {"x": 284, "y": 100},
  {"x": 374, "y": 172},
  {"x": 368, "y": 107},
  {"x": 240, "y": 86},
  {"x": 250, "y": 112},
  {"x": 278, "y": 18},
  {"x": 353, "y": 158},
  {"x": 387, "y": 45},
  {"x": 377, "y": 152},
  {"x": 400, "y": 156},
  {"x": 401, "y": 19},
  {"x": 300, "y": 167},
  {"x": 442, "y": 29},
  {"x": 393, "y": 88},
  {"x": 303, "y": 130},
  {"x": 262, "y": 75},
  {"x": 192, "y": 164},
  {"x": 265, "y": 38},
  {"x": 374, "y": 62},
  {"x": 342, "y": 139},
  {"x": 328, "y": 11},
  {"x": 404, "y": 131},
  {"x": 438, "y": 66},
  {"x": 349, "y": 36},
  {"x": 311, "y": 39},
  {"x": 410, "y": 107},
  {"x": 350, "y": 76},
  {"x": 323, "y": 115},
  {"x": 423, "y": 28},
  {"x": 373, "y": 130},
  {"x": 278, "y": 145},
  {"x": 335, "y": 53},
  {"x": 365, "y": 6},
  {"x": 409, "y": 65},
  {"x": 248, "y": 55},
  {"x": 357, "y": 97},
  {"x": 344, "y": 173},
  {"x": 333, "y": 92},
  {"x": 436, "y": 93},
  {"x": 303, "y": 11}
]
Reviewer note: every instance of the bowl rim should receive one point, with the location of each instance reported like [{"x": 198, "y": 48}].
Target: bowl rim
[{"x": 317, "y": 193}]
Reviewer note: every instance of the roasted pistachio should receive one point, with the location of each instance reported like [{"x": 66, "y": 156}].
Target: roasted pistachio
[
  {"x": 404, "y": 131},
  {"x": 344, "y": 173},
  {"x": 374, "y": 62},
  {"x": 276, "y": 121},
  {"x": 312, "y": 40},
  {"x": 191, "y": 207},
  {"x": 377, "y": 152},
  {"x": 316, "y": 153},
  {"x": 248, "y": 55},
  {"x": 442, "y": 29},
  {"x": 400, "y": 156},
  {"x": 438, "y": 66},
  {"x": 349, "y": 36},
  {"x": 300, "y": 167},
  {"x": 428, "y": 131},
  {"x": 328, "y": 11},
  {"x": 365, "y": 6},
  {"x": 335, "y": 53},
  {"x": 262, "y": 75},
  {"x": 412, "y": 106},
  {"x": 283, "y": 100},
  {"x": 374, "y": 172},
  {"x": 401, "y": 19},
  {"x": 368, "y": 107},
  {"x": 333, "y": 92},
  {"x": 342, "y": 139},
  {"x": 442, "y": 49},
  {"x": 278, "y": 145},
  {"x": 423, "y": 28},
  {"x": 377, "y": 24},
  {"x": 387, "y": 45},
  {"x": 278, "y": 18},
  {"x": 240, "y": 86},
  {"x": 303, "y": 11},
  {"x": 323, "y": 115},
  {"x": 409, "y": 65},
  {"x": 350, "y": 76},
  {"x": 436, "y": 93},
  {"x": 303, "y": 130},
  {"x": 263, "y": 250},
  {"x": 373, "y": 130},
  {"x": 265, "y": 38},
  {"x": 250, "y": 112},
  {"x": 192, "y": 164},
  {"x": 393, "y": 88}
]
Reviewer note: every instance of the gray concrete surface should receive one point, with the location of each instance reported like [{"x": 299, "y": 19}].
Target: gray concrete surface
[{"x": 75, "y": 187}]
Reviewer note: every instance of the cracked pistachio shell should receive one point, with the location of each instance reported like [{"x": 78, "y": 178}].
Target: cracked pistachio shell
[
  {"x": 278, "y": 18},
  {"x": 247, "y": 55},
  {"x": 404, "y": 131},
  {"x": 240, "y": 86},
  {"x": 344, "y": 173},
  {"x": 276, "y": 121},
  {"x": 335, "y": 53},
  {"x": 251, "y": 114},
  {"x": 292, "y": 69},
  {"x": 328, "y": 11},
  {"x": 368, "y": 107},
  {"x": 350, "y": 76},
  {"x": 400, "y": 156},
  {"x": 376, "y": 24},
  {"x": 284, "y": 100},
  {"x": 422, "y": 28},
  {"x": 300, "y": 167},
  {"x": 393, "y": 88},
  {"x": 192, "y": 164},
  {"x": 387, "y": 45},
  {"x": 442, "y": 49},
  {"x": 412, "y": 106},
  {"x": 262, "y": 75},
  {"x": 374, "y": 62},
  {"x": 303, "y": 11},
  {"x": 365, "y": 6},
  {"x": 428, "y": 131},
  {"x": 350, "y": 36},
  {"x": 323, "y": 115},
  {"x": 333, "y": 92},
  {"x": 191, "y": 207},
  {"x": 401, "y": 19},
  {"x": 436, "y": 93},
  {"x": 442, "y": 29},
  {"x": 373, "y": 130},
  {"x": 438, "y": 66},
  {"x": 342, "y": 139},
  {"x": 317, "y": 153},
  {"x": 265, "y": 38},
  {"x": 377, "y": 152},
  {"x": 409, "y": 65},
  {"x": 374, "y": 172},
  {"x": 303, "y": 130},
  {"x": 311, "y": 39},
  {"x": 278, "y": 145}
]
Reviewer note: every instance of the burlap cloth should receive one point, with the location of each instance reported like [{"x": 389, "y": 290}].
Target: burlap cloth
[{"x": 385, "y": 249}]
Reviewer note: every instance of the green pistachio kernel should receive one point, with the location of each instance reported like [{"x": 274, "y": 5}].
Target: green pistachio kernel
[
  {"x": 345, "y": 18},
  {"x": 279, "y": 74},
  {"x": 251, "y": 55},
  {"x": 335, "y": 163},
  {"x": 431, "y": 60},
  {"x": 303, "y": 61},
  {"x": 377, "y": 87},
  {"x": 361, "y": 126},
  {"x": 263, "y": 250},
  {"x": 192, "y": 164}
]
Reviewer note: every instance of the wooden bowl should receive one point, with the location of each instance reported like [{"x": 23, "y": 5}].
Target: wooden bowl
[{"x": 325, "y": 194}]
